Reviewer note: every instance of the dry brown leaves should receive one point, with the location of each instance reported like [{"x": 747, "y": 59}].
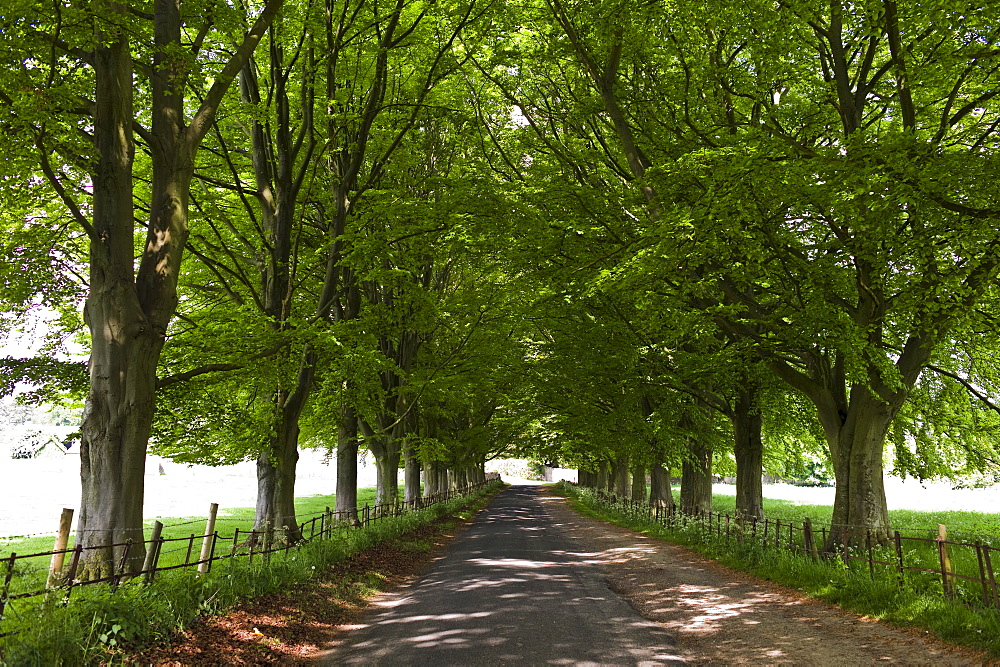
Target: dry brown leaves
[{"x": 292, "y": 626}]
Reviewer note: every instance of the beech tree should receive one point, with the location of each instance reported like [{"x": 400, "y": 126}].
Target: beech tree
[{"x": 86, "y": 60}]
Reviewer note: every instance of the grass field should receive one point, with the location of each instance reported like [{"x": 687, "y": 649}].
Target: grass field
[{"x": 30, "y": 574}]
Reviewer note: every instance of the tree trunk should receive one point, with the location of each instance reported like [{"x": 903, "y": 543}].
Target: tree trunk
[
  {"x": 386, "y": 450},
  {"x": 461, "y": 476},
  {"x": 859, "y": 502},
  {"x": 443, "y": 475},
  {"x": 749, "y": 450},
  {"x": 128, "y": 311},
  {"x": 638, "y": 482},
  {"x": 347, "y": 465},
  {"x": 125, "y": 345},
  {"x": 660, "y": 493},
  {"x": 619, "y": 476},
  {"x": 601, "y": 481},
  {"x": 387, "y": 476},
  {"x": 277, "y": 461},
  {"x": 433, "y": 473},
  {"x": 411, "y": 477},
  {"x": 696, "y": 480}
]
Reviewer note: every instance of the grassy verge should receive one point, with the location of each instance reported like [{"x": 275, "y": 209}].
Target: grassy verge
[
  {"x": 229, "y": 519},
  {"x": 852, "y": 587},
  {"x": 101, "y": 624},
  {"x": 962, "y": 525}
]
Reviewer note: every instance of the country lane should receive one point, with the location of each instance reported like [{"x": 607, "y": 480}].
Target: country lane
[{"x": 512, "y": 589}]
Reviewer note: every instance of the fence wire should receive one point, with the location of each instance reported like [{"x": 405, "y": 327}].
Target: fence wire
[
  {"x": 964, "y": 570},
  {"x": 22, "y": 578}
]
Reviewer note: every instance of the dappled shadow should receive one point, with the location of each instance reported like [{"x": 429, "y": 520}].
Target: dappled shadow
[
  {"x": 513, "y": 589},
  {"x": 717, "y": 615}
]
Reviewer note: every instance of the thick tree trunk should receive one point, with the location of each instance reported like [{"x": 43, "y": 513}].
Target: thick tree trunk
[
  {"x": 602, "y": 476},
  {"x": 638, "y": 482},
  {"x": 127, "y": 312},
  {"x": 276, "y": 463},
  {"x": 386, "y": 450},
  {"x": 276, "y": 488},
  {"x": 115, "y": 430},
  {"x": 619, "y": 477},
  {"x": 749, "y": 450},
  {"x": 443, "y": 475},
  {"x": 125, "y": 343},
  {"x": 435, "y": 478},
  {"x": 660, "y": 493},
  {"x": 387, "y": 476},
  {"x": 347, "y": 465},
  {"x": 411, "y": 476},
  {"x": 859, "y": 502},
  {"x": 461, "y": 475},
  {"x": 696, "y": 480}
]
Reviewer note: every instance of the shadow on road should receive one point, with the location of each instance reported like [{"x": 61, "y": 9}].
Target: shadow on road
[{"x": 513, "y": 589}]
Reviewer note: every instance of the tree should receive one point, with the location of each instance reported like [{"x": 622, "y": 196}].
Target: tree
[{"x": 127, "y": 309}]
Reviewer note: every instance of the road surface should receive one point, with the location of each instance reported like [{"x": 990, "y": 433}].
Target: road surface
[{"x": 513, "y": 589}]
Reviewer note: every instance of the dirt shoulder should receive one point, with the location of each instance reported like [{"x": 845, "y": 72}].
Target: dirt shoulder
[
  {"x": 715, "y": 614},
  {"x": 295, "y": 626},
  {"x": 720, "y": 615}
]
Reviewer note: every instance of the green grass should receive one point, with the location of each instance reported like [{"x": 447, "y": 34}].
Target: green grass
[
  {"x": 102, "y": 624},
  {"x": 962, "y": 526},
  {"x": 919, "y": 603},
  {"x": 30, "y": 574}
]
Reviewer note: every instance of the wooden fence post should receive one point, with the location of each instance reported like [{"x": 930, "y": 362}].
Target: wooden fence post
[
  {"x": 899, "y": 555},
  {"x": 944, "y": 554},
  {"x": 59, "y": 549},
  {"x": 871, "y": 556},
  {"x": 117, "y": 578},
  {"x": 6, "y": 582},
  {"x": 71, "y": 577},
  {"x": 992, "y": 578},
  {"x": 211, "y": 551},
  {"x": 808, "y": 540},
  {"x": 152, "y": 554},
  {"x": 208, "y": 542},
  {"x": 982, "y": 574}
]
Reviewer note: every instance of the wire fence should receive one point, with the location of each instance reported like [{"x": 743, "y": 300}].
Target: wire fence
[
  {"x": 26, "y": 575},
  {"x": 961, "y": 570}
]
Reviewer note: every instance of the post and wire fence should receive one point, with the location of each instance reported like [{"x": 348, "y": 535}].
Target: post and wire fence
[
  {"x": 962, "y": 569},
  {"x": 24, "y": 578}
]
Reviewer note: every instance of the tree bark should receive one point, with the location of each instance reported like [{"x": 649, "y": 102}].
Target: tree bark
[
  {"x": 749, "y": 450},
  {"x": 638, "y": 482},
  {"x": 619, "y": 476},
  {"x": 387, "y": 475},
  {"x": 602, "y": 476},
  {"x": 347, "y": 465},
  {"x": 125, "y": 345},
  {"x": 411, "y": 476},
  {"x": 276, "y": 472},
  {"x": 660, "y": 493},
  {"x": 859, "y": 501},
  {"x": 128, "y": 311},
  {"x": 435, "y": 478},
  {"x": 696, "y": 480}
]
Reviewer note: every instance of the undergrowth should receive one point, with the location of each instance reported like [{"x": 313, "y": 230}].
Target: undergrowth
[
  {"x": 101, "y": 624},
  {"x": 852, "y": 587}
]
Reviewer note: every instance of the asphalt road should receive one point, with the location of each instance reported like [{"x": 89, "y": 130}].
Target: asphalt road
[{"x": 513, "y": 589}]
